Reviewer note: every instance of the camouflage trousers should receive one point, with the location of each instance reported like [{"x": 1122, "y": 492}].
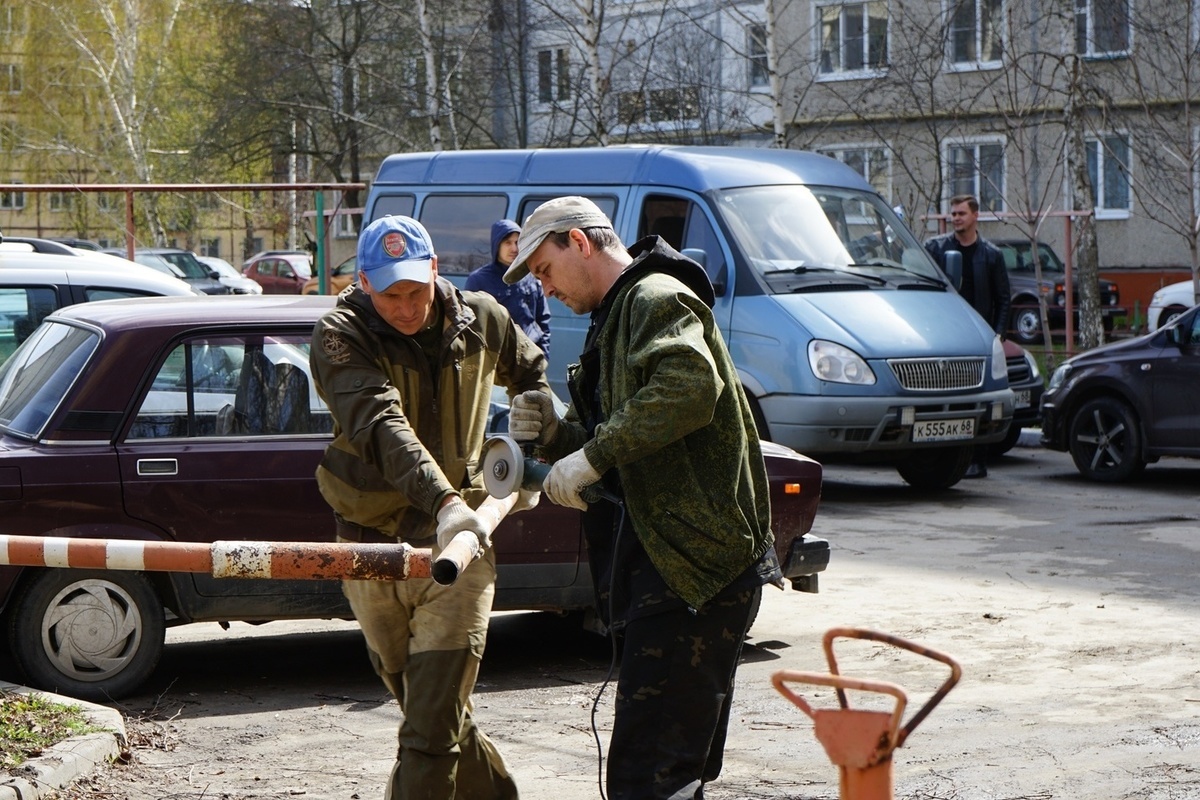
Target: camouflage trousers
[
  {"x": 673, "y": 698},
  {"x": 426, "y": 642}
]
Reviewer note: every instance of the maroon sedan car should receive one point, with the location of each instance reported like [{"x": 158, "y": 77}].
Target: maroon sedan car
[
  {"x": 195, "y": 420},
  {"x": 279, "y": 272}
]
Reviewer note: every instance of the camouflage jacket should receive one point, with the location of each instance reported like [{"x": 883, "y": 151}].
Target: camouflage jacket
[
  {"x": 675, "y": 424},
  {"x": 405, "y": 437}
]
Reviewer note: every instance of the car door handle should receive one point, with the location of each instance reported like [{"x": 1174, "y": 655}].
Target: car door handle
[{"x": 157, "y": 466}]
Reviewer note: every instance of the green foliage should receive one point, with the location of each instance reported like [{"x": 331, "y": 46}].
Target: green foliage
[{"x": 31, "y": 723}]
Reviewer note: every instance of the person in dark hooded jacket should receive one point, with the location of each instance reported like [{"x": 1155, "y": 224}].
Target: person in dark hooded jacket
[
  {"x": 659, "y": 419},
  {"x": 523, "y": 299}
]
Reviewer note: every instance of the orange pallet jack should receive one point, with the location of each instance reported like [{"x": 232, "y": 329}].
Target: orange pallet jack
[{"x": 861, "y": 742}]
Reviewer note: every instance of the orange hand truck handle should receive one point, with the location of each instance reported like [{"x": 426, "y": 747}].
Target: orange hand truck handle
[
  {"x": 904, "y": 644},
  {"x": 782, "y": 677}
]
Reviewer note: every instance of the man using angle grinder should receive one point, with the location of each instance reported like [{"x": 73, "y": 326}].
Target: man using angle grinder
[
  {"x": 659, "y": 419},
  {"x": 406, "y": 365}
]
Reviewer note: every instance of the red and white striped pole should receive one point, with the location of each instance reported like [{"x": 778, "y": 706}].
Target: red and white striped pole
[{"x": 246, "y": 559}]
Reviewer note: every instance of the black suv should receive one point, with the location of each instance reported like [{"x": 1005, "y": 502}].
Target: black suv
[
  {"x": 1024, "y": 320},
  {"x": 196, "y": 272},
  {"x": 1129, "y": 403}
]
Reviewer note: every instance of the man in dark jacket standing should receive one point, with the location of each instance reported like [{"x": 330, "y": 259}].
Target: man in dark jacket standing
[
  {"x": 406, "y": 365},
  {"x": 659, "y": 419},
  {"x": 523, "y": 299},
  {"x": 984, "y": 279}
]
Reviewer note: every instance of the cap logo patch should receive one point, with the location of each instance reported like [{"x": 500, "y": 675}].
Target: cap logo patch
[{"x": 393, "y": 244}]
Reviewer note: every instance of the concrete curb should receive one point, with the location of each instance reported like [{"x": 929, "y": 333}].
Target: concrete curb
[{"x": 59, "y": 766}]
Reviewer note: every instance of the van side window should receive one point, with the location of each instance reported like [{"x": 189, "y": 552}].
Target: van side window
[
  {"x": 528, "y": 205},
  {"x": 396, "y": 205},
  {"x": 683, "y": 225},
  {"x": 461, "y": 229}
]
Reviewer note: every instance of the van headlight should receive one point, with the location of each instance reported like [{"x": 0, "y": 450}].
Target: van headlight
[
  {"x": 999, "y": 362},
  {"x": 838, "y": 364}
]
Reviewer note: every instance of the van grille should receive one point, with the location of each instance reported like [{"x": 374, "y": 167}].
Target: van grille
[{"x": 938, "y": 374}]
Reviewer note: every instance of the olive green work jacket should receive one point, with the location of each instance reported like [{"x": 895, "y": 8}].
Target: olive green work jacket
[
  {"x": 676, "y": 426},
  {"x": 405, "y": 435}
]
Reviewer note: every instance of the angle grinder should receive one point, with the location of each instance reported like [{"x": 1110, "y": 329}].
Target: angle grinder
[{"x": 507, "y": 468}]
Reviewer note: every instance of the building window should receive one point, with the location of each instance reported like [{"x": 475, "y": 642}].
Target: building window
[
  {"x": 10, "y": 78},
  {"x": 1108, "y": 168},
  {"x": 756, "y": 55},
  {"x": 12, "y": 18},
  {"x": 59, "y": 201},
  {"x": 12, "y": 201},
  {"x": 853, "y": 37},
  {"x": 554, "y": 75},
  {"x": 870, "y": 162},
  {"x": 210, "y": 247},
  {"x": 106, "y": 201},
  {"x": 977, "y": 169},
  {"x": 1101, "y": 27},
  {"x": 676, "y": 104},
  {"x": 975, "y": 29}
]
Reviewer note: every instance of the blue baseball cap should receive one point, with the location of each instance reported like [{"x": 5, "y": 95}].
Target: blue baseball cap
[{"x": 394, "y": 249}]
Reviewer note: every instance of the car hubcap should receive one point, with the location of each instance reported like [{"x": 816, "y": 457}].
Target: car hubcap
[{"x": 91, "y": 630}]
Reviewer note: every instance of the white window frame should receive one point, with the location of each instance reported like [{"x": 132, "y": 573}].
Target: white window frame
[
  {"x": 977, "y": 188},
  {"x": 758, "y": 60},
  {"x": 11, "y": 79},
  {"x": 871, "y": 151},
  {"x": 12, "y": 17},
  {"x": 841, "y": 73},
  {"x": 12, "y": 201},
  {"x": 1087, "y": 9},
  {"x": 1000, "y": 31},
  {"x": 58, "y": 202},
  {"x": 1104, "y": 162},
  {"x": 343, "y": 224},
  {"x": 559, "y": 85}
]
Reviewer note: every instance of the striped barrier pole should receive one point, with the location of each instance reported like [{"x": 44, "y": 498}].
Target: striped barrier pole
[{"x": 240, "y": 559}]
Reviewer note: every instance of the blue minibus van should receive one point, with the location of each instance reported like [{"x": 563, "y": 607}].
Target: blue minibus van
[{"x": 852, "y": 345}]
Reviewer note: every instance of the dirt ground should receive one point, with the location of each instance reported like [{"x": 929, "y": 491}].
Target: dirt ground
[{"x": 1073, "y": 609}]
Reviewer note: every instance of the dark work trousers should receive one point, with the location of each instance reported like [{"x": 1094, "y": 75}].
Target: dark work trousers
[{"x": 673, "y": 697}]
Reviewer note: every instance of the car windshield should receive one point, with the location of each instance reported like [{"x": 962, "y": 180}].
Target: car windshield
[
  {"x": 798, "y": 236},
  {"x": 224, "y": 268},
  {"x": 189, "y": 264},
  {"x": 38, "y": 375},
  {"x": 159, "y": 263},
  {"x": 1018, "y": 257}
]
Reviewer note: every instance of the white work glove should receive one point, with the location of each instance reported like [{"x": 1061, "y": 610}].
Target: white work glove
[
  {"x": 525, "y": 500},
  {"x": 456, "y": 517},
  {"x": 567, "y": 479},
  {"x": 531, "y": 418}
]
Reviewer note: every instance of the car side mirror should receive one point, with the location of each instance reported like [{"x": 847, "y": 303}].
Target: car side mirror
[
  {"x": 701, "y": 258},
  {"x": 954, "y": 268}
]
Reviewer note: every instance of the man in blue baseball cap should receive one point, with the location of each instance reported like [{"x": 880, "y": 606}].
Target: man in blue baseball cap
[{"x": 406, "y": 365}]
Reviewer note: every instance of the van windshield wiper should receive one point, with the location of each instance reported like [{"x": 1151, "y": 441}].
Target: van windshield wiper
[
  {"x": 804, "y": 270},
  {"x": 886, "y": 264}
]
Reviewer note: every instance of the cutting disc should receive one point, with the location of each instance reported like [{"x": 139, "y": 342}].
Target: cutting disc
[{"x": 503, "y": 466}]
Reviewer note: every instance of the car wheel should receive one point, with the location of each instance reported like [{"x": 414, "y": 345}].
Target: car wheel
[
  {"x": 1169, "y": 315},
  {"x": 1105, "y": 441},
  {"x": 91, "y": 634},
  {"x": 1026, "y": 323},
  {"x": 1007, "y": 443},
  {"x": 936, "y": 468}
]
